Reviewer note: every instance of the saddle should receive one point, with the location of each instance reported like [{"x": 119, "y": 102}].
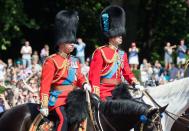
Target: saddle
[{"x": 41, "y": 123}]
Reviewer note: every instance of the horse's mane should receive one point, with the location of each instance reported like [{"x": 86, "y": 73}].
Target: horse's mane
[
  {"x": 126, "y": 107},
  {"x": 121, "y": 92},
  {"x": 76, "y": 107}
]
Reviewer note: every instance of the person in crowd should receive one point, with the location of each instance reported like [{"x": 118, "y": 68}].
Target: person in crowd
[
  {"x": 149, "y": 70},
  {"x": 61, "y": 72},
  {"x": 10, "y": 63},
  {"x": 9, "y": 71},
  {"x": 80, "y": 50},
  {"x": 26, "y": 52},
  {"x": 44, "y": 53},
  {"x": 164, "y": 78},
  {"x": 181, "y": 57},
  {"x": 35, "y": 56},
  {"x": 35, "y": 67},
  {"x": 168, "y": 54},
  {"x": 3, "y": 103},
  {"x": 181, "y": 71},
  {"x": 157, "y": 69},
  {"x": 144, "y": 71},
  {"x": 174, "y": 72},
  {"x": 109, "y": 63},
  {"x": 133, "y": 56},
  {"x": 85, "y": 67},
  {"x": 2, "y": 71}
]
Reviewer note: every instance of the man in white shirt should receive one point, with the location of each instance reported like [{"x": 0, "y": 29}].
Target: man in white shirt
[{"x": 26, "y": 52}]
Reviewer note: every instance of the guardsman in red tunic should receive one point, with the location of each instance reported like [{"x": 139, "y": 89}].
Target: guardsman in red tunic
[
  {"x": 61, "y": 72},
  {"x": 109, "y": 63}
]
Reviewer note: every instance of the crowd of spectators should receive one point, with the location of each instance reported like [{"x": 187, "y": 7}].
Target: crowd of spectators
[
  {"x": 21, "y": 78},
  {"x": 157, "y": 73}
]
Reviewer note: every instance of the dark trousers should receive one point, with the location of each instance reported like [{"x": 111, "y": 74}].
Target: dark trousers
[{"x": 62, "y": 121}]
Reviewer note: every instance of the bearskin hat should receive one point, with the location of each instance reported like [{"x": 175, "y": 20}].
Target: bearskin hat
[
  {"x": 112, "y": 21},
  {"x": 66, "y": 23}
]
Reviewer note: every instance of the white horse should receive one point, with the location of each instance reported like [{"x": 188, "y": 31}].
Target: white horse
[{"x": 176, "y": 94}]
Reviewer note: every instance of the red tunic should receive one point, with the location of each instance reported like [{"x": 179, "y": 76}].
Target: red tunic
[
  {"x": 102, "y": 66},
  {"x": 55, "y": 73}
]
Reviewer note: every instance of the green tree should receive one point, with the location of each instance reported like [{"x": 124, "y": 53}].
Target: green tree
[
  {"x": 12, "y": 19},
  {"x": 162, "y": 21},
  {"x": 18, "y": 16}
]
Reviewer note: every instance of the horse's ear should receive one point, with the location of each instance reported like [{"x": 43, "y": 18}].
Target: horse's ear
[
  {"x": 162, "y": 109},
  {"x": 152, "y": 112}
]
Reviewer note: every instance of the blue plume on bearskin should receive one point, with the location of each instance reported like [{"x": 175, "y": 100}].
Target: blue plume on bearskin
[
  {"x": 105, "y": 18},
  {"x": 112, "y": 21}
]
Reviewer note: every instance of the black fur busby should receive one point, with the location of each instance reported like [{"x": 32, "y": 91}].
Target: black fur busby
[
  {"x": 112, "y": 21},
  {"x": 66, "y": 23}
]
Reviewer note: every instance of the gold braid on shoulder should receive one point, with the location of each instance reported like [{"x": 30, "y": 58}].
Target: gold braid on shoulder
[{"x": 109, "y": 60}]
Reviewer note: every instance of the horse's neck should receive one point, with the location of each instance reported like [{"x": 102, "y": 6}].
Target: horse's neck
[{"x": 177, "y": 87}]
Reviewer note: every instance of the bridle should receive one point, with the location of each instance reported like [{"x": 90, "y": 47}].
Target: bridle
[
  {"x": 96, "y": 120},
  {"x": 155, "y": 121},
  {"x": 170, "y": 114}
]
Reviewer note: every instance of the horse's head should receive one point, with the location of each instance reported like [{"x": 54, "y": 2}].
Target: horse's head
[{"x": 152, "y": 121}]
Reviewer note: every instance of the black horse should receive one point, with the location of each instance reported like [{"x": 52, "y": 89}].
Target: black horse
[{"x": 113, "y": 115}]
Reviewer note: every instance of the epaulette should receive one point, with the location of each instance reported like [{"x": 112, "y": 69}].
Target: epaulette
[
  {"x": 101, "y": 47},
  {"x": 53, "y": 58},
  {"x": 49, "y": 57},
  {"x": 114, "y": 57},
  {"x": 98, "y": 49}
]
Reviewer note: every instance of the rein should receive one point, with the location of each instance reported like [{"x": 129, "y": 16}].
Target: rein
[
  {"x": 90, "y": 110},
  {"x": 97, "y": 123},
  {"x": 167, "y": 112},
  {"x": 149, "y": 96}
]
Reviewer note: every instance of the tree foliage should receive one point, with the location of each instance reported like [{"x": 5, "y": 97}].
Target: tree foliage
[
  {"x": 163, "y": 21},
  {"x": 158, "y": 21},
  {"x": 12, "y": 19},
  {"x": 19, "y": 17}
]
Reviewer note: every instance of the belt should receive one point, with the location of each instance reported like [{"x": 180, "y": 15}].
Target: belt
[
  {"x": 64, "y": 87},
  {"x": 111, "y": 81}
]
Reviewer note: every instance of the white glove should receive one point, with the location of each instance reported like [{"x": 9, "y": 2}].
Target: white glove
[
  {"x": 140, "y": 87},
  {"x": 87, "y": 87},
  {"x": 44, "y": 111}
]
